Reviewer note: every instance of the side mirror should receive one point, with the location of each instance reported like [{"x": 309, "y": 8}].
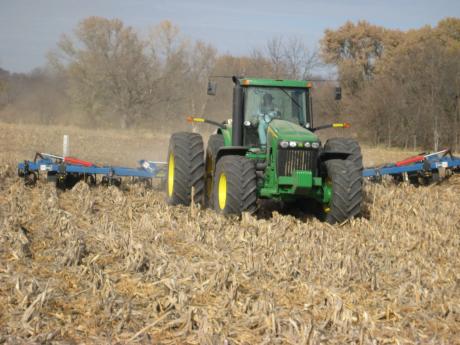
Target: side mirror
[
  {"x": 338, "y": 93},
  {"x": 212, "y": 87}
]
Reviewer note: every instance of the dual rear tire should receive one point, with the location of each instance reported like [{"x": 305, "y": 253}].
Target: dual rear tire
[
  {"x": 185, "y": 169},
  {"x": 346, "y": 198},
  {"x": 228, "y": 186},
  {"x": 348, "y": 145},
  {"x": 215, "y": 142},
  {"x": 345, "y": 178}
]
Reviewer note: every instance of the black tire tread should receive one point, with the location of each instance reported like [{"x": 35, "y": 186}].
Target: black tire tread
[
  {"x": 215, "y": 142},
  {"x": 347, "y": 193},
  {"x": 189, "y": 168},
  {"x": 241, "y": 185},
  {"x": 346, "y": 145}
]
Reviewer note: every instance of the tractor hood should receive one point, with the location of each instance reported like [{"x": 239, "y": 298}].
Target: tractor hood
[{"x": 285, "y": 130}]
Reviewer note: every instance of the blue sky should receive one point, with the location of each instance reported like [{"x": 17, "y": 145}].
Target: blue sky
[{"x": 29, "y": 29}]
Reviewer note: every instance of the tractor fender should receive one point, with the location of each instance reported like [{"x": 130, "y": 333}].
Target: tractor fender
[
  {"x": 227, "y": 134},
  {"x": 231, "y": 150}
]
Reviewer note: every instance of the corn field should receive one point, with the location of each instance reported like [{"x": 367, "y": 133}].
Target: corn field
[{"x": 107, "y": 265}]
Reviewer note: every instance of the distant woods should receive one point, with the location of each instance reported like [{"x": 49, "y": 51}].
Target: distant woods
[
  {"x": 399, "y": 88},
  {"x": 403, "y": 88}
]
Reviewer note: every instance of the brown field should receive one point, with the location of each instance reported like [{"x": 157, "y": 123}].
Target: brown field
[{"x": 107, "y": 265}]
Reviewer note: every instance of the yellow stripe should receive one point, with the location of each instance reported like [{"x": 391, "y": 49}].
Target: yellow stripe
[
  {"x": 272, "y": 132},
  {"x": 198, "y": 119},
  {"x": 337, "y": 125}
]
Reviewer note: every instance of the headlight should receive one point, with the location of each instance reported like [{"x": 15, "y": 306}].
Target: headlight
[
  {"x": 284, "y": 144},
  {"x": 315, "y": 145},
  {"x": 307, "y": 144},
  {"x": 292, "y": 144}
]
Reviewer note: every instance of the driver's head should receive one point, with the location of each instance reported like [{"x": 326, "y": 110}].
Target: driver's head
[{"x": 267, "y": 98}]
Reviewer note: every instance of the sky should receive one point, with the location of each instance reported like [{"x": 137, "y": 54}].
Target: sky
[{"x": 30, "y": 29}]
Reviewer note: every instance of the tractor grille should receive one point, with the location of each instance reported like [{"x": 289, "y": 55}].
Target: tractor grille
[{"x": 296, "y": 159}]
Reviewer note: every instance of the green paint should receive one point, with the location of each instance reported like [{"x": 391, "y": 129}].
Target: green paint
[
  {"x": 302, "y": 179},
  {"x": 227, "y": 134},
  {"x": 327, "y": 193},
  {"x": 290, "y": 131}
]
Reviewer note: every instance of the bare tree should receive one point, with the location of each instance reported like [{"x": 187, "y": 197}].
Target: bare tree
[
  {"x": 290, "y": 59},
  {"x": 107, "y": 70},
  {"x": 202, "y": 62},
  {"x": 299, "y": 60},
  {"x": 276, "y": 56}
]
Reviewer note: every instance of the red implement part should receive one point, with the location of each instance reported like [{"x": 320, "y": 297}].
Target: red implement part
[
  {"x": 410, "y": 160},
  {"x": 73, "y": 160}
]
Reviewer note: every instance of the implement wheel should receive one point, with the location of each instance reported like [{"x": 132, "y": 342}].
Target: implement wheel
[
  {"x": 346, "y": 145},
  {"x": 215, "y": 142},
  {"x": 30, "y": 179},
  {"x": 347, "y": 196},
  {"x": 235, "y": 185},
  {"x": 185, "y": 169}
]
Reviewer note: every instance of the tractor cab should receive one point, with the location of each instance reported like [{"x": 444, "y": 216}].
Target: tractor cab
[
  {"x": 262, "y": 105},
  {"x": 257, "y": 102}
]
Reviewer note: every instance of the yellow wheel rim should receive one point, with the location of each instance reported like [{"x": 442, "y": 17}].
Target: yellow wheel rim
[
  {"x": 171, "y": 174},
  {"x": 222, "y": 192}
]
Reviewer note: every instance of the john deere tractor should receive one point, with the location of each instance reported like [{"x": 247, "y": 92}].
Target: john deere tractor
[{"x": 268, "y": 150}]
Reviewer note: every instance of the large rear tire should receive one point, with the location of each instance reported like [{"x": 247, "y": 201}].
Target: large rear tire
[
  {"x": 347, "y": 196},
  {"x": 185, "y": 169},
  {"x": 215, "y": 142},
  {"x": 235, "y": 185},
  {"x": 346, "y": 145}
]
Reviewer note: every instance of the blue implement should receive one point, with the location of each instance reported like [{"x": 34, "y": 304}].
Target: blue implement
[
  {"x": 56, "y": 167},
  {"x": 432, "y": 167},
  {"x": 154, "y": 169}
]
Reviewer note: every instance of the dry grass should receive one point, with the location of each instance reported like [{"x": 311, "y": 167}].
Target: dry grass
[
  {"x": 19, "y": 142},
  {"x": 105, "y": 265}
]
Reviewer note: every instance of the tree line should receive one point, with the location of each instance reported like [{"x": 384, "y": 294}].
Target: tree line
[{"x": 400, "y": 88}]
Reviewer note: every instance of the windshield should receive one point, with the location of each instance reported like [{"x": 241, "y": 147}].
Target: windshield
[
  {"x": 264, "y": 104},
  {"x": 288, "y": 104}
]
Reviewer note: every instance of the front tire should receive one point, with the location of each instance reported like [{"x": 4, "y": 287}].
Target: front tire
[
  {"x": 215, "y": 142},
  {"x": 347, "y": 196},
  {"x": 235, "y": 185},
  {"x": 185, "y": 169},
  {"x": 346, "y": 145}
]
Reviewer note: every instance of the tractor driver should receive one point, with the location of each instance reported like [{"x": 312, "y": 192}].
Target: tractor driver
[{"x": 267, "y": 112}]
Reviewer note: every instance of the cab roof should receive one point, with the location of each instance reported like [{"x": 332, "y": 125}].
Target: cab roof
[{"x": 274, "y": 82}]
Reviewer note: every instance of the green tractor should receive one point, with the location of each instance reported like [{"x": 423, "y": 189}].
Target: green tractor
[{"x": 268, "y": 150}]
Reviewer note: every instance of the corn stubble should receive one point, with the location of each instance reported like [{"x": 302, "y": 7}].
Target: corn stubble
[{"x": 108, "y": 265}]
